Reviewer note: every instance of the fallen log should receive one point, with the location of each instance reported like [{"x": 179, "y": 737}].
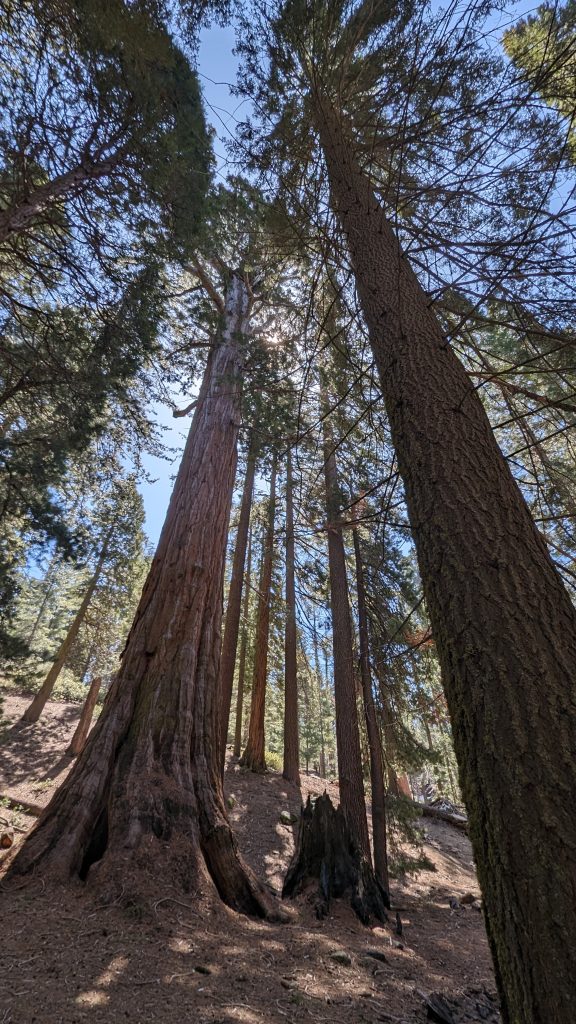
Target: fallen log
[{"x": 457, "y": 820}]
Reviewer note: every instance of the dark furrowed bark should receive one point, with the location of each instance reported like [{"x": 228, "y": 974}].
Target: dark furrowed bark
[
  {"x": 504, "y": 626},
  {"x": 326, "y": 851},
  {"x": 146, "y": 794},
  {"x": 291, "y": 765},
  {"x": 374, "y": 741}
]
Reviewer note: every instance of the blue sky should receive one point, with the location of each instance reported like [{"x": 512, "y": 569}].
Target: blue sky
[{"x": 217, "y": 68}]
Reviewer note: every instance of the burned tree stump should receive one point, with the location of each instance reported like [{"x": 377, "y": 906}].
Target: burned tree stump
[{"x": 325, "y": 851}]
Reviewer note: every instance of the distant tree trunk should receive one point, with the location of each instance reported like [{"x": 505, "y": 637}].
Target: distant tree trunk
[
  {"x": 35, "y": 709},
  {"x": 232, "y": 622},
  {"x": 372, "y": 730},
  {"x": 243, "y": 648},
  {"x": 48, "y": 589},
  {"x": 253, "y": 756},
  {"x": 291, "y": 748},
  {"x": 504, "y": 625},
  {"x": 82, "y": 729},
  {"x": 320, "y": 699},
  {"x": 144, "y": 800},
  {"x": 347, "y": 731}
]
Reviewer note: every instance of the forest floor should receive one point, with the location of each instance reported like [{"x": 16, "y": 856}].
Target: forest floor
[{"x": 67, "y": 959}]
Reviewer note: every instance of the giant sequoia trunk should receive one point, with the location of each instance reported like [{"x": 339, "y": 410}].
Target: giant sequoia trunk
[
  {"x": 372, "y": 731},
  {"x": 35, "y": 709},
  {"x": 145, "y": 796},
  {"x": 504, "y": 626},
  {"x": 291, "y": 767},
  {"x": 253, "y": 756},
  {"x": 232, "y": 622}
]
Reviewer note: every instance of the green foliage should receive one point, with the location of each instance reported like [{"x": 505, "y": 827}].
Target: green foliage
[
  {"x": 543, "y": 47},
  {"x": 405, "y": 839},
  {"x": 273, "y": 760}
]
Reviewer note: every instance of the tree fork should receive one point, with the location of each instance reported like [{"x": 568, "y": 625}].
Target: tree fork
[
  {"x": 504, "y": 625},
  {"x": 145, "y": 797}
]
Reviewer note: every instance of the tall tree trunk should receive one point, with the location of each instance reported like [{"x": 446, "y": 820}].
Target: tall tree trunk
[
  {"x": 347, "y": 731},
  {"x": 232, "y": 622},
  {"x": 35, "y": 709},
  {"x": 145, "y": 800},
  {"x": 48, "y": 588},
  {"x": 19, "y": 216},
  {"x": 82, "y": 729},
  {"x": 291, "y": 748},
  {"x": 320, "y": 699},
  {"x": 253, "y": 756},
  {"x": 504, "y": 625},
  {"x": 243, "y": 649},
  {"x": 374, "y": 740}
]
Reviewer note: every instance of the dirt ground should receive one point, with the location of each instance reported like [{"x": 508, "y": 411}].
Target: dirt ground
[{"x": 65, "y": 957}]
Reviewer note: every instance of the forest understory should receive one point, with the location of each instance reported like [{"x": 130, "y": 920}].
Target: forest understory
[{"x": 168, "y": 959}]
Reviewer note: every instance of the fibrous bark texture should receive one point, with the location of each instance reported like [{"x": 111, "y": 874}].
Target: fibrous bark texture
[
  {"x": 145, "y": 796},
  {"x": 232, "y": 622},
  {"x": 504, "y": 626},
  {"x": 291, "y": 767},
  {"x": 253, "y": 756},
  {"x": 326, "y": 852},
  {"x": 379, "y": 842}
]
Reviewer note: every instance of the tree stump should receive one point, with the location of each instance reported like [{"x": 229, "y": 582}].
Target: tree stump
[{"x": 325, "y": 851}]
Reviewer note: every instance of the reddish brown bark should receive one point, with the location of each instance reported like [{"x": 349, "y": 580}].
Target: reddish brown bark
[
  {"x": 253, "y": 756},
  {"x": 291, "y": 768},
  {"x": 347, "y": 731},
  {"x": 144, "y": 799},
  {"x": 243, "y": 649},
  {"x": 35, "y": 709},
  {"x": 82, "y": 729},
  {"x": 379, "y": 842},
  {"x": 504, "y": 625},
  {"x": 230, "y": 642}
]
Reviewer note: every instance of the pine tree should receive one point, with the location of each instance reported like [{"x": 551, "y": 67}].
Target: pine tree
[{"x": 480, "y": 556}]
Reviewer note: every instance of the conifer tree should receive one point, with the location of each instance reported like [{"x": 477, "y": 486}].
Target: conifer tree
[{"x": 480, "y": 555}]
